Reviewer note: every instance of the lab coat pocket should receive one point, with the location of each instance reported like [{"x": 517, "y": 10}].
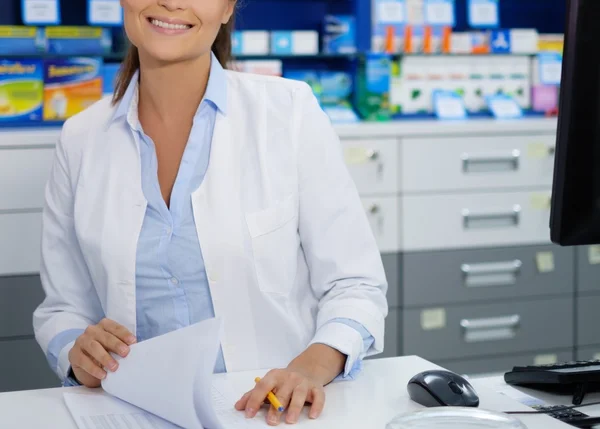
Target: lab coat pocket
[{"x": 275, "y": 244}]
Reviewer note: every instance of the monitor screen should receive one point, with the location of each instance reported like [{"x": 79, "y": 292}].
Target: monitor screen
[{"x": 575, "y": 214}]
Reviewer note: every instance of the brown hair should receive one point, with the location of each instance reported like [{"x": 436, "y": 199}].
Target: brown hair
[{"x": 131, "y": 63}]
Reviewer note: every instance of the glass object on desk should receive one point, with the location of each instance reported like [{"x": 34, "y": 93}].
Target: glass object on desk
[{"x": 455, "y": 418}]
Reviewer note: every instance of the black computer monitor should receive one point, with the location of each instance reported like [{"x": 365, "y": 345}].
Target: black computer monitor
[{"x": 575, "y": 214}]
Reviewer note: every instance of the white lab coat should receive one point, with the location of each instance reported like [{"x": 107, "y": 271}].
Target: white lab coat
[{"x": 285, "y": 238}]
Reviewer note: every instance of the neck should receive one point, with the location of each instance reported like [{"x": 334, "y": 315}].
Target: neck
[{"x": 172, "y": 92}]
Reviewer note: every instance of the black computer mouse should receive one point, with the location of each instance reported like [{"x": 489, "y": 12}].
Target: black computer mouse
[{"x": 442, "y": 388}]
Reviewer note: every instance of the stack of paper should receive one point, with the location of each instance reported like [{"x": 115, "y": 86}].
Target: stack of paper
[{"x": 164, "y": 383}]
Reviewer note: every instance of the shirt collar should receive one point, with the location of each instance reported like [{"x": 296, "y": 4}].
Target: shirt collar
[{"x": 216, "y": 92}]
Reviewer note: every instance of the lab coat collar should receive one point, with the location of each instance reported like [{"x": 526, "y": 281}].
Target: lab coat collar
[{"x": 216, "y": 93}]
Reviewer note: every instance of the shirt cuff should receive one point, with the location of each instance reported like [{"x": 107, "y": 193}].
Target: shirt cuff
[{"x": 344, "y": 339}]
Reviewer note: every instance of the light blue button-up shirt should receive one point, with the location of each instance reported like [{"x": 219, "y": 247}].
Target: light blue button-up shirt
[{"x": 172, "y": 288}]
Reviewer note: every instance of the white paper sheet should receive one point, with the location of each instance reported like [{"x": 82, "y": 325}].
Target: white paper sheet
[
  {"x": 168, "y": 376},
  {"x": 107, "y": 412},
  {"x": 104, "y": 411}
]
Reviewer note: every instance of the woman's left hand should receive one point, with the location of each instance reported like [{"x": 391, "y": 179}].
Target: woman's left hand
[{"x": 293, "y": 388}]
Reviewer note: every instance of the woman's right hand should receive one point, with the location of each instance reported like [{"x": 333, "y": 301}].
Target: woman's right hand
[{"x": 90, "y": 356}]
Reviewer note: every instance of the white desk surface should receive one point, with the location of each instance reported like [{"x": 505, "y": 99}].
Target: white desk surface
[{"x": 369, "y": 402}]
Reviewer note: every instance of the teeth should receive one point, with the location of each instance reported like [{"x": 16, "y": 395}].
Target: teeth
[{"x": 168, "y": 26}]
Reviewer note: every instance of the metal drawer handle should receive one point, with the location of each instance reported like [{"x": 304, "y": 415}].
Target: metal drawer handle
[
  {"x": 372, "y": 154},
  {"x": 374, "y": 209},
  {"x": 490, "y": 329},
  {"x": 491, "y": 267},
  {"x": 491, "y": 273},
  {"x": 513, "y": 216},
  {"x": 512, "y": 160}
]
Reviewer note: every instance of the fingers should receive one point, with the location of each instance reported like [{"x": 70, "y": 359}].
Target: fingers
[
  {"x": 297, "y": 403},
  {"x": 260, "y": 392},
  {"x": 118, "y": 331},
  {"x": 112, "y": 343},
  {"x": 84, "y": 362},
  {"x": 98, "y": 352},
  {"x": 241, "y": 404},
  {"x": 318, "y": 403},
  {"x": 284, "y": 394}
]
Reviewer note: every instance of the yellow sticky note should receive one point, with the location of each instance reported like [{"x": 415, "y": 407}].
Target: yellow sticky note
[
  {"x": 537, "y": 150},
  {"x": 548, "y": 359},
  {"x": 594, "y": 255},
  {"x": 434, "y": 318},
  {"x": 540, "y": 201},
  {"x": 545, "y": 262},
  {"x": 356, "y": 155}
]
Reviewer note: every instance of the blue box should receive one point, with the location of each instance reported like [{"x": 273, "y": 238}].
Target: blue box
[
  {"x": 336, "y": 87},
  {"x": 282, "y": 42},
  {"x": 21, "y": 90},
  {"x": 339, "y": 34},
  {"x": 78, "y": 40},
  {"x": 21, "y": 40},
  {"x": 236, "y": 43},
  {"x": 500, "y": 42},
  {"x": 109, "y": 78}
]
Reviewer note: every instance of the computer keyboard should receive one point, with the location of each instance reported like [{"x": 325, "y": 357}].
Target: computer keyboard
[
  {"x": 570, "y": 417},
  {"x": 573, "y": 378}
]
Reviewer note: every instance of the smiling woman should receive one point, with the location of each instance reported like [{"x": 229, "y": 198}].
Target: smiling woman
[{"x": 199, "y": 192}]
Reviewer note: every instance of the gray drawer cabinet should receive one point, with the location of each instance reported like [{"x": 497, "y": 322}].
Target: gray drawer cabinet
[
  {"x": 588, "y": 353},
  {"x": 19, "y": 296},
  {"x": 499, "y": 365},
  {"x": 24, "y": 366},
  {"x": 392, "y": 334},
  {"x": 588, "y": 268},
  {"x": 462, "y": 276},
  {"x": 393, "y": 271},
  {"x": 487, "y": 329},
  {"x": 588, "y": 326}
]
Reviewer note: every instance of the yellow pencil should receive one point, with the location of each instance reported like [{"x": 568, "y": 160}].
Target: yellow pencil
[{"x": 272, "y": 399}]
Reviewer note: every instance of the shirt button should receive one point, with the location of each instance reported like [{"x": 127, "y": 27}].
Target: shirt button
[{"x": 174, "y": 281}]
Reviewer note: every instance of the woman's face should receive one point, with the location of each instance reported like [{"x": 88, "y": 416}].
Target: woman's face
[{"x": 175, "y": 30}]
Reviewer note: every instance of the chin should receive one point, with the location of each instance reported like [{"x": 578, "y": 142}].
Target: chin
[{"x": 166, "y": 54}]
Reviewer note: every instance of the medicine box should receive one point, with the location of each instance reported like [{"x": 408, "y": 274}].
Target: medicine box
[
  {"x": 294, "y": 42},
  {"x": 339, "y": 34},
  {"x": 21, "y": 90},
  {"x": 109, "y": 78},
  {"x": 21, "y": 40},
  {"x": 78, "y": 40},
  {"x": 373, "y": 87},
  {"x": 70, "y": 86},
  {"x": 253, "y": 42}
]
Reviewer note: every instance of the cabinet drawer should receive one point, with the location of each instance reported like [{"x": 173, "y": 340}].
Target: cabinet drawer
[
  {"x": 393, "y": 272},
  {"x": 588, "y": 353},
  {"x": 383, "y": 214},
  {"x": 588, "y": 320},
  {"x": 500, "y": 365},
  {"x": 460, "y": 163},
  {"x": 23, "y": 366},
  {"x": 23, "y": 173},
  {"x": 482, "y": 330},
  {"x": 20, "y": 236},
  {"x": 373, "y": 165},
  {"x": 431, "y": 222},
  {"x": 392, "y": 335},
  {"x": 588, "y": 268},
  {"x": 19, "y": 297},
  {"x": 461, "y": 276}
]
